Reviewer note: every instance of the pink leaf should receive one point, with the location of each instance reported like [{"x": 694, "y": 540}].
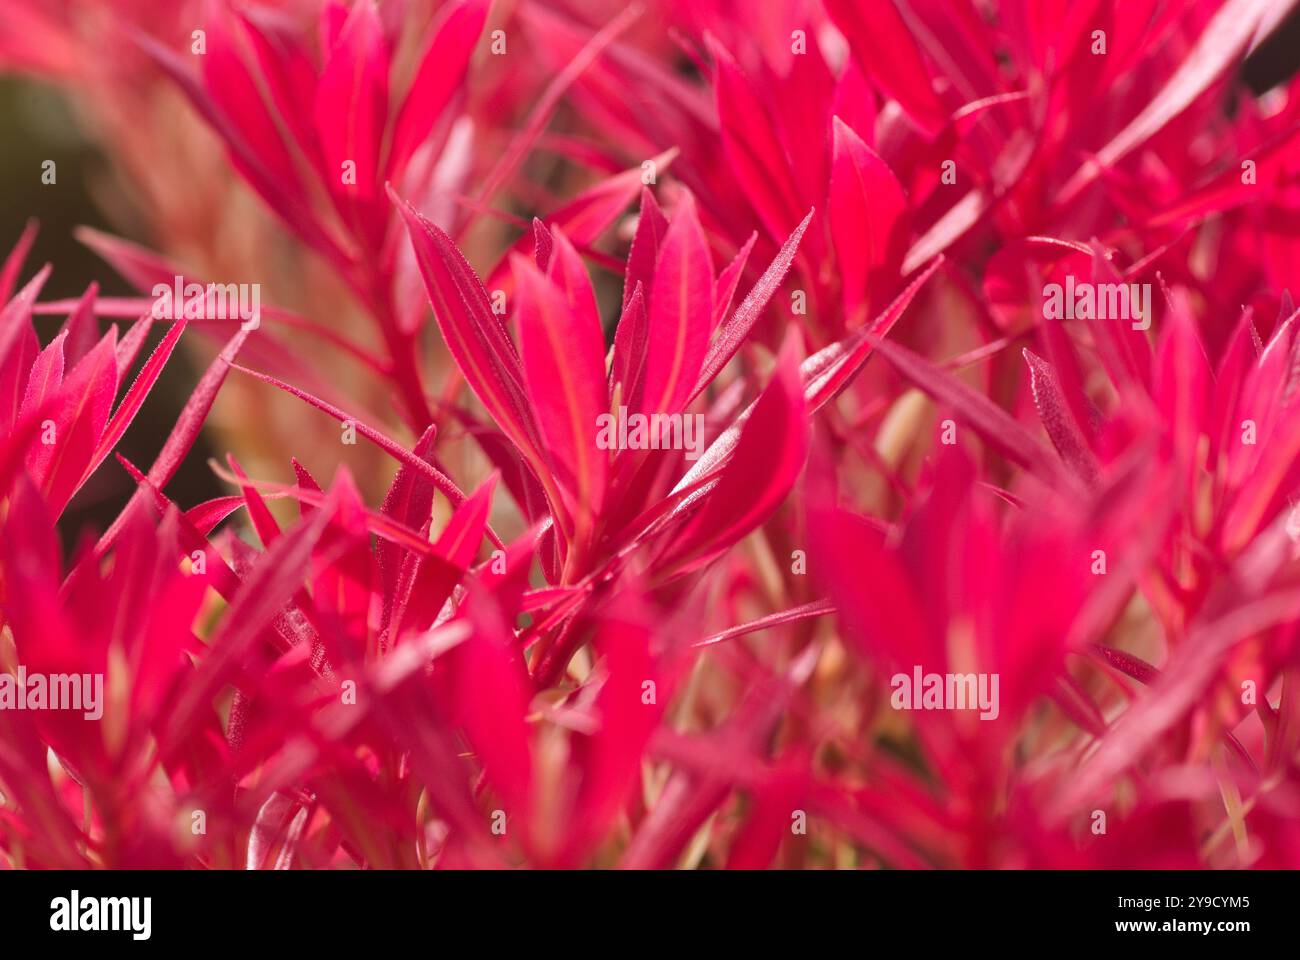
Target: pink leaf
[
  {"x": 136, "y": 394},
  {"x": 230, "y": 83},
  {"x": 351, "y": 105},
  {"x": 869, "y": 223},
  {"x": 1221, "y": 41},
  {"x": 886, "y": 51},
  {"x": 13, "y": 263},
  {"x": 474, "y": 335},
  {"x": 768, "y": 458},
  {"x": 1057, "y": 419},
  {"x": 564, "y": 360},
  {"x": 830, "y": 370},
  {"x": 385, "y": 443},
  {"x": 817, "y": 608},
  {"x": 724, "y": 291},
  {"x": 753, "y": 146},
  {"x": 186, "y": 430},
  {"x": 82, "y": 331},
  {"x": 994, "y": 424},
  {"x": 439, "y": 76},
  {"x": 651, "y": 226},
  {"x": 80, "y": 414},
  {"x": 734, "y": 331},
  {"x": 680, "y": 315},
  {"x": 18, "y": 349},
  {"x": 628, "y": 369},
  {"x": 45, "y": 377}
]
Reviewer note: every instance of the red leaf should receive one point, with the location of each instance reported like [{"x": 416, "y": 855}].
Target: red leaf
[
  {"x": 753, "y": 146},
  {"x": 205, "y": 516},
  {"x": 542, "y": 245},
  {"x": 680, "y": 315},
  {"x": 409, "y": 501},
  {"x": 45, "y": 377},
  {"x": 491, "y": 692},
  {"x": 626, "y": 723},
  {"x": 13, "y": 264},
  {"x": 290, "y": 74},
  {"x": 436, "y": 575},
  {"x": 476, "y": 337},
  {"x": 276, "y": 830},
  {"x": 651, "y": 226},
  {"x": 886, "y": 51},
  {"x": 1185, "y": 680},
  {"x": 460, "y": 539},
  {"x": 590, "y": 214},
  {"x": 889, "y": 619},
  {"x": 136, "y": 394},
  {"x": 869, "y": 223},
  {"x": 82, "y": 330},
  {"x": 230, "y": 83},
  {"x": 521, "y": 143},
  {"x": 79, "y": 416},
  {"x": 385, "y": 443},
  {"x": 564, "y": 361},
  {"x": 569, "y": 275},
  {"x": 186, "y": 430},
  {"x": 18, "y": 349},
  {"x": 288, "y": 205},
  {"x": 260, "y": 598},
  {"x": 1128, "y": 664},
  {"x": 734, "y": 331},
  {"x": 724, "y": 291},
  {"x": 994, "y": 424},
  {"x": 307, "y": 483},
  {"x": 1054, "y": 411},
  {"x": 1181, "y": 387},
  {"x": 817, "y": 608},
  {"x": 628, "y": 369},
  {"x": 830, "y": 370},
  {"x": 759, "y": 840},
  {"x": 263, "y": 522},
  {"x": 440, "y": 75},
  {"x": 128, "y": 348},
  {"x": 343, "y": 573},
  {"x": 352, "y": 104},
  {"x": 768, "y": 458},
  {"x": 1220, "y": 43}
]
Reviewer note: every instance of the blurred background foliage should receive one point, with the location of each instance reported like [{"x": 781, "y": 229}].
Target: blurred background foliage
[{"x": 37, "y": 124}]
